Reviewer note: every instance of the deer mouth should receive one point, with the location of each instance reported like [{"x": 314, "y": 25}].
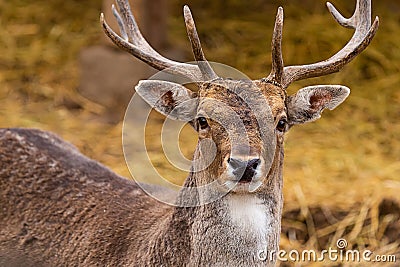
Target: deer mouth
[
  {"x": 241, "y": 186},
  {"x": 246, "y": 180}
]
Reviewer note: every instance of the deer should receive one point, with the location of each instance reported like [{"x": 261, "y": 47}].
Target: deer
[{"x": 61, "y": 208}]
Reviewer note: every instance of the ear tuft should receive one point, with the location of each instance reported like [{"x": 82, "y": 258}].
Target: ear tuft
[
  {"x": 166, "y": 102},
  {"x": 309, "y": 102}
]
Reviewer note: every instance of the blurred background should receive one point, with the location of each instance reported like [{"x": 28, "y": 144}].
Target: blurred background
[{"x": 59, "y": 73}]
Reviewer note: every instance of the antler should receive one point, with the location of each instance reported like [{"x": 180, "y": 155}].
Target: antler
[
  {"x": 202, "y": 62},
  {"x": 364, "y": 32},
  {"x": 277, "y": 58},
  {"x": 132, "y": 41}
]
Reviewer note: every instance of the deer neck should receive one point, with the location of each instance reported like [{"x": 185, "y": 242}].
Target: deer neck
[{"x": 235, "y": 227}]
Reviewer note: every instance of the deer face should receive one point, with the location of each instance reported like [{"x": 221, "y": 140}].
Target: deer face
[
  {"x": 226, "y": 114},
  {"x": 240, "y": 124}
]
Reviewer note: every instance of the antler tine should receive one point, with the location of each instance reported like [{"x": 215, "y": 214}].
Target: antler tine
[
  {"x": 129, "y": 25},
  {"x": 202, "y": 62},
  {"x": 134, "y": 43},
  {"x": 364, "y": 32},
  {"x": 276, "y": 44},
  {"x": 362, "y": 12},
  {"x": 121, "y": 25}
]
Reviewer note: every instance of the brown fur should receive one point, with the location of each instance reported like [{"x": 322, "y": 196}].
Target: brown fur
[{"x": 56, "y": 208}]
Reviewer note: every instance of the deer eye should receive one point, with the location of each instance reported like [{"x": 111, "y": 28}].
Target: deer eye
[
  {"x": 203, "y": 124},
  {"x": 282, "y": 125}
]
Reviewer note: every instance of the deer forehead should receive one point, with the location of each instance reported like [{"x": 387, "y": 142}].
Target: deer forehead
[{"x": 231, "y": 95}]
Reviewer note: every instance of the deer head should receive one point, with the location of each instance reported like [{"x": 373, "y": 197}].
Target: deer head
[{"x": 246, "y": 120}]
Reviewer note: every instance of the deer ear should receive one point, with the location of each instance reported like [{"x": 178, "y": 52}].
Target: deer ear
[
  {"x": 309, "y": 102},
  {"x": 170, "y": 99}
]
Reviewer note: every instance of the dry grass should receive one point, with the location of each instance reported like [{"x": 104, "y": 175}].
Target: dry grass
[{"x": 349, "y": 160}]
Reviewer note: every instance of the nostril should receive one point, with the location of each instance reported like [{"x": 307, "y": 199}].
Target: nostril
[
  {"x": 253, "y": 163},
  {"x": 236, "y": 163}
]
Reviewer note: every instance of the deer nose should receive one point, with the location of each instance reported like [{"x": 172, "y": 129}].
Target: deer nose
[{"x": 244, "y": 170}]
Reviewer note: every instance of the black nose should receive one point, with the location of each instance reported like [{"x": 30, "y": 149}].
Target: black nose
[{"x": 244, "y": 169}]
